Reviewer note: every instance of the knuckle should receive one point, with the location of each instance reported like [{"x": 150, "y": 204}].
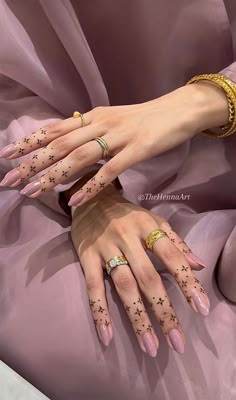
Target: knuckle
[
  {"x": 124, "y": 281},
  {"x": 60, "y": 144},
  {"x": 81, "y": 153},
  {"x": 171, "y": 252},
  {"x": 110, "y": 169},
  {"x": 54, "y": 128},
  {"x": 148, "y": 277},
  {"x": 92, "y": 283},
  {"x": 97, "y": 111}
]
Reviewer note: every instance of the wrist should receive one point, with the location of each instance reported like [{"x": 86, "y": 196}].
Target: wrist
[{"x": 208, "y": 106}]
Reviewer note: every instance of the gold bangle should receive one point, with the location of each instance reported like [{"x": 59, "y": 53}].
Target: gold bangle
[{"x": 230, "y": 91}]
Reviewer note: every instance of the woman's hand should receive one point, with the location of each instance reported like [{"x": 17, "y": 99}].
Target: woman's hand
[
  {"x": 133, "y": 133},
  {"x": 109, "y": 226}
]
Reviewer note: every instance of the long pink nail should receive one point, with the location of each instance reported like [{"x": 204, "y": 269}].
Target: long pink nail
[
  {"x": 177, "y": 341},
  {"x": 104, "y": 334},
  {"x": 8, "y": 151},
  {"x": 10, "y": 178},
  {"x": 201, "y": 303},
  {"x": 76, "y": 199},
  {"x": 150, "y": 344},
  {"x": 196, "y": 259},
  {"x": 31, "y": 189}
]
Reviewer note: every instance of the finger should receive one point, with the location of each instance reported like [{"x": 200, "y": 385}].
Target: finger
[
  {"x": 42, "y": 137},
  {"x": 51, "y": 154},
  {"x": 91, "y": 264},
  {"x": 127, "y": 289},
  {"x": 194, "y": 261},
  {"x": 152, "y": 287},
  {"x": 107, "y": 173},
  {"x": 177, "y": 265},
  {"x": 77, "y": 160}
]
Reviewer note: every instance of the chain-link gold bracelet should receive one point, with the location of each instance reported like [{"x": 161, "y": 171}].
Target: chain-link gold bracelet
[{"x": 229, "y": 89}]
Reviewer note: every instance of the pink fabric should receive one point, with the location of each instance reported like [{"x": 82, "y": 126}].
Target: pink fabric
[{"x": 55, "y": 58}]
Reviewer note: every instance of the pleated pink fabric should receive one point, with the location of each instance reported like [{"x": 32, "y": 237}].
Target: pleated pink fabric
[{"x": 58, "y": 56}]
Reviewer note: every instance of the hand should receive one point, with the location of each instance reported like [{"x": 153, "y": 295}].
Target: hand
[
  {"x": 109, "y": 225},
  {"x": 133, "y": 133}
]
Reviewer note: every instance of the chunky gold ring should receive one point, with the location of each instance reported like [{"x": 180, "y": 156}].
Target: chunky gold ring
[
  {"x": 77, "y": 114},
  {"x": 115, "y": 262},
  {"x": 105, "y": 149},
  {"x": 153, "y": 237}
]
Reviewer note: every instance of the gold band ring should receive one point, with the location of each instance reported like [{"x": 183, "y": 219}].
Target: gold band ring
[
  {"x": 153, "y": 237},
  {"x": 105, "y": 149},
  {"x": 115, "y": 262},
  {"x": 77, "y": 114}
]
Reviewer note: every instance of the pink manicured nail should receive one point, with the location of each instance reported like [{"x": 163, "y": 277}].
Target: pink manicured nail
[
  {"x": 201, "y": 302},
  {"x": 76, "y": 199},
  {"x": 104, "y": 334},
  {"x": 10, "y": 178},
  {"x": 197, "y": 260},
  {"x": 150, "y": 344},
  {"x": 32, "y": 189},
  {"x": 177, "y": 341},
  {"x": 8, "y": 151}
]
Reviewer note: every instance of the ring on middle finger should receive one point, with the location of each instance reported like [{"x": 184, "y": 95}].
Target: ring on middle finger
[
  {"x": 114, "y": 262},
  {"x": 153, "y": 237},
  {"x": 103, "y": 144}
]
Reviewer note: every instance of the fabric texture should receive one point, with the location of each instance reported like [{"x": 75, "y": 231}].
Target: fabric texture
[{"x": 56, "y": 57}]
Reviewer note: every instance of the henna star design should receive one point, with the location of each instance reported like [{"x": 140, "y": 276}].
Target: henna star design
[
  {"x": 39, "y": 142},
  {"x": 43, "y": 132},
  {"x": 172, "y": 317},
  {"x": 26, "y": 140},
  {"x": 65, "y": 173},
  {"x": 88, "y": 190},
  {"x": 184, "y": 283},
  {"x": 184, "y": 268},
  {"x": 138, "y": 312},
  {"x": 91, "y": 303},
  {"x": 102, "y": 185},
  {"x": 140, "y": 300},
  {"x": 21, "y": 151},
  {"x": 138, "y": 331},
  {"x": 161, "y": 301},
  {"x": 51, "y": 158},
  {"x": 32, "y": 169},
  {"x": 101, "y": 309},
  {"x": 52, "y": 180},
  {"x": 35, "y": 157},
  {"x": 127, "y": 308},
  {"x": 149, "y": 328},
  {"x": 107, "y": 323}
]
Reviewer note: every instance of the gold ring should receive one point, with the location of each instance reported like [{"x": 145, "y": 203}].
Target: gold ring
[
  {"x": 77, "y": 114},
  {"x": 153, "y": 237},
  {"x": 105, "y": 149},
  {"x": 115, "y": 262}
]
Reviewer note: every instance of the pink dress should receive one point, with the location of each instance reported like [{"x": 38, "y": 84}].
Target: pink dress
[{"x": 59, "y": 56}]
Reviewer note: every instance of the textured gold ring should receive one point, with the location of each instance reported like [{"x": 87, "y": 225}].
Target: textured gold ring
[
  {"x": 115, "y": 262},
  {"x": 77, "y": 114},
  {"x": 153, "y": 237},
  {"x": 105, "y": 149}
]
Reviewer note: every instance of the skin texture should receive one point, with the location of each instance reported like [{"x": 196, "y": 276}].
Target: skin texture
[
  {"x": 133, "y": 133},
  {"x": 108, "y": 226}
]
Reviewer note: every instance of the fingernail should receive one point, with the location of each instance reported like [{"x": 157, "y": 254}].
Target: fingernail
[
  {"x": 10, "y": 178},
  {"x": 16, "y": 183},
  {"x": 177, "y": 341},
  {"x": 150, "y": 344},
  {"x": 110, "y": 331},
  {"x": 196, "y": 259},
  {"x": 76, "y": 199},
  {"x": 201, "y": 302},
  {"x": 104, "y": 334},
  {"x": 31, "y": 189},
  {"x": 8, "y": 151}
]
